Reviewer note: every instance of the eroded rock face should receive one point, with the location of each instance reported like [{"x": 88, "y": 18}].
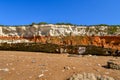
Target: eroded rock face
[
  {"x": 62, "y": 34},
  {"x": 55, "y": 30},
  {"x": 112, "y": 42}
]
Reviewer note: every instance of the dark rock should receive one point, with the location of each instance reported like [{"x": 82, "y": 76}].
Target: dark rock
[{"x": 115, "y": 64}]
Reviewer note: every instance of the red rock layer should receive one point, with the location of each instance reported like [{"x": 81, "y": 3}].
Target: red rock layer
[{"x": 103, "y": 41}]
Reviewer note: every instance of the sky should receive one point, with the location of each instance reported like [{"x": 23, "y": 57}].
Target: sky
[{"x": 82, "y": 12}]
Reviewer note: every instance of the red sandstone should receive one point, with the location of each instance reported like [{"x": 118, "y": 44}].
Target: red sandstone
[{"x": 103, "y": 41}]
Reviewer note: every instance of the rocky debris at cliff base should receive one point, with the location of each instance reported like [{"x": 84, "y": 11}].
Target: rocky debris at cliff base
[
  {"x": 89, "y": 76},
  {"x": 113, "y": 64}
]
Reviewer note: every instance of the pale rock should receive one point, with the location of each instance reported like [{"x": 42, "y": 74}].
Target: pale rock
[
  {"x": 41, "y": 75},
  {"x": 4, "y": 69}
]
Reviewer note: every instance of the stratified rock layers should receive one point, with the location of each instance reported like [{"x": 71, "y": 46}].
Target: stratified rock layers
[{"x": 61, "y": 34}]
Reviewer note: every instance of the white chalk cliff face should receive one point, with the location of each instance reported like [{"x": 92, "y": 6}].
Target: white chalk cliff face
[{"x": 54, "y": 30}]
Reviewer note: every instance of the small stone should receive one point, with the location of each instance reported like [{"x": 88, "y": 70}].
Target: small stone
[
  {"x": 89, "y": 55},
  {"x": 5, "y": 69},
  {"x": 67, "y": 68},
  {"x": 41, "y": 75},
  {"x": 99, "y": 64}
]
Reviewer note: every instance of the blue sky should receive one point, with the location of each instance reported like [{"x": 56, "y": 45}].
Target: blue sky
[{"x": 89, "y": 12}]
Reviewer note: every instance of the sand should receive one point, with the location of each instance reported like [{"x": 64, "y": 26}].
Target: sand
[{"x": 17, "y": 65}]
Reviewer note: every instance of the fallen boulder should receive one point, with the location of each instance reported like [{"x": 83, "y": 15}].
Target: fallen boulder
[{"x": 113, "y": 64}]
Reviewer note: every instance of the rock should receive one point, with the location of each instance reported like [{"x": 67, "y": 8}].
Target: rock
[
  {"x": 81, "y": 50},
  {"x": 99, "y": 64},
  {"x": 41, "y": 75},
  {"x": 113, "y": 64},
  {"x": 89, "y": 76},
  {"x": 67, "y": 68},
  {"x": 89, "y": 55},
  {"x": 4, "y": 69},
  {"x": 61, "y": 50}
]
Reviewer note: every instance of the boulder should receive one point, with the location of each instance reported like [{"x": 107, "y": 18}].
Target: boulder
[
  {"x": 114, "y": 64},
  {"x": 89, "y": 76}
]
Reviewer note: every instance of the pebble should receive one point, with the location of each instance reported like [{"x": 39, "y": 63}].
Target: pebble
[
  {"x": 41, "y": 75},
  {"x": 90, "y": 55},
  {"x": 67, "y": 68},
  {"x": 99, "y": 64},
  {"x": 4, "y": 69}
]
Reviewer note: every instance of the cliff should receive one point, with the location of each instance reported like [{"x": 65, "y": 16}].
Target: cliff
[
  {"x": 104, "y": 36},
  {"x": 57, "y": 30}
]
